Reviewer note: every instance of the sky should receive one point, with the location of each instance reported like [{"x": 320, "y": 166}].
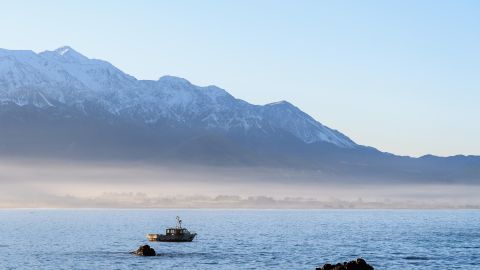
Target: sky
[{"x": 401, "y": 76}]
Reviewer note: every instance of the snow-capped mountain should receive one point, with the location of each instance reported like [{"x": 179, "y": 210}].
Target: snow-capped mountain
[
  {"x": 61, "y": 104},
  {"x": 64, "y": 77}
]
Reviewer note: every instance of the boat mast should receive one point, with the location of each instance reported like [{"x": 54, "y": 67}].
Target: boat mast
[{"x": 179, "y": 223}]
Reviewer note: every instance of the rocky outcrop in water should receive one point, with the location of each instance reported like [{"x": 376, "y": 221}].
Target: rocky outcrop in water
[
  {"x": 145, "y": 250},
  {"x": 358, "y": 264}
]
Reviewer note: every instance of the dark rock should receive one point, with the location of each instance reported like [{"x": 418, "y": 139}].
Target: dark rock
[
  {"x": 358, "y": 264},
  {"x": 145, "y": 250},
  {"x": 326, "y": 266},
  {"x": 361, "y": 261}
]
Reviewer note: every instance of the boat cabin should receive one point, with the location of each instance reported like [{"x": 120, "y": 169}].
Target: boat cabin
[{"x": 176, "y": 231}]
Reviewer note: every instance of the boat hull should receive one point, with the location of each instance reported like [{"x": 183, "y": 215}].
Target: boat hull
[{"x": 171, "y": 238}]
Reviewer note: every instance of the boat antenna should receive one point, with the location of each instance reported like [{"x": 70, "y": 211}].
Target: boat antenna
[{"x": 179, "y": 222}]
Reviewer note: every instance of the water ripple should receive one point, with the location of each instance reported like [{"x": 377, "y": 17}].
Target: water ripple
[{"x": 228, "y": 239}]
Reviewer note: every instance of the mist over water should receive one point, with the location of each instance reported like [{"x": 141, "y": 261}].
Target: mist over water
[{"x": 66, "y": 184}]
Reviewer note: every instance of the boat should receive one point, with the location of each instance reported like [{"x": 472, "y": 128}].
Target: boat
[{"x": 177, "y": 234}]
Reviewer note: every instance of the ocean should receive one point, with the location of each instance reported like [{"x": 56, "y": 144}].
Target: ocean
[{"x": 240, "y": 239}]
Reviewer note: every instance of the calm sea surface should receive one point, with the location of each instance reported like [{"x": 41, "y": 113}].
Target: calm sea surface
[{"x": 240, "y": 239}]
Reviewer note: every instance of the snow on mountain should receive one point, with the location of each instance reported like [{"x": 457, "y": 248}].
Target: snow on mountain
[{"x": 67, "y": 78}]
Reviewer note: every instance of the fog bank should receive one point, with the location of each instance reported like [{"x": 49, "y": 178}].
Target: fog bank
[{"x": 59, "y": 184}]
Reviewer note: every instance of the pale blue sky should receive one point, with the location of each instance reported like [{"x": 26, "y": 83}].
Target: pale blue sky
[{"x": 402, "y": 76}]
